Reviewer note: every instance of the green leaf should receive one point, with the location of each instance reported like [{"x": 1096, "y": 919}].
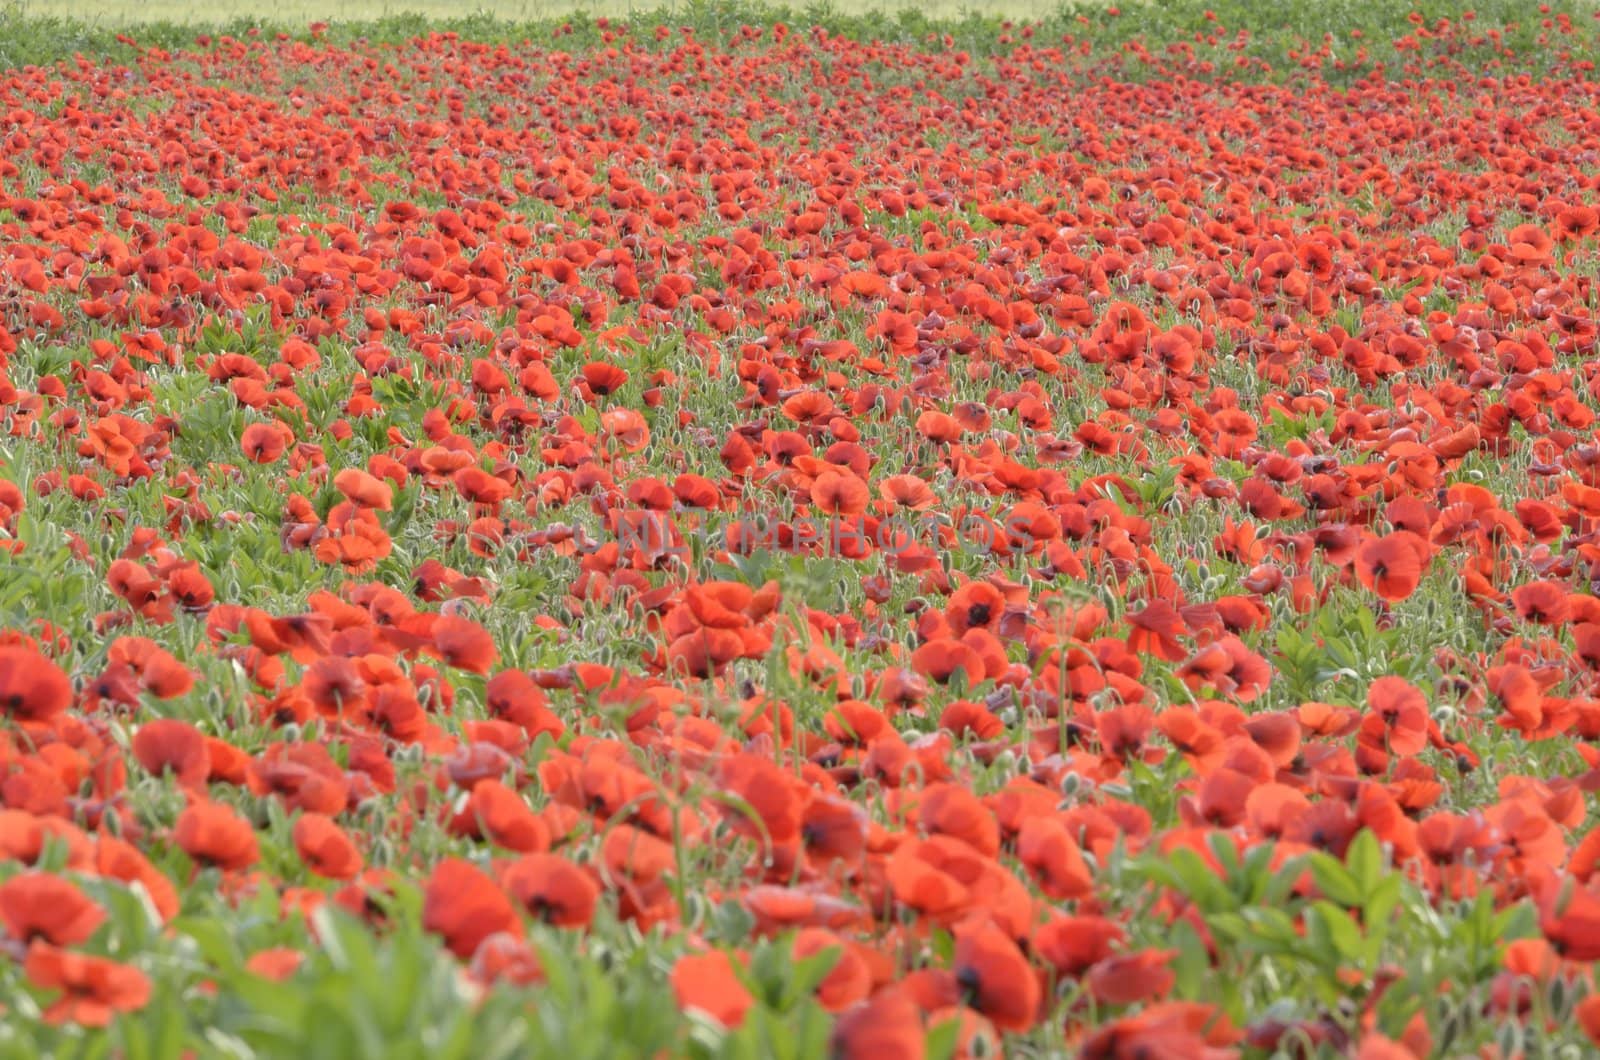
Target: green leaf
[
  {"x": 1380, "y": 904},
  {"x": 333, "y": 1029},
  {"x": 1192, "y": 965},
  {"x": 1335, "y": 882},
  {"x": 943, "y": 944},
  {"x": 1230, "y": 926},
  {"x": 1199, "y": 884},
  {"x": 1256, "y": 874},
  {"x": 1227, "y": 853},
  {"x": 807, "y": 974},
  {"x": 171, "y": 1027},
  {"x": 1341, "y": 929},
  {"x": 1280, "y": 884},
  {"x": 1517, "y": 922},
  {"x": 942, "y": 1040},
  {"x": 1364, "y": 858}
]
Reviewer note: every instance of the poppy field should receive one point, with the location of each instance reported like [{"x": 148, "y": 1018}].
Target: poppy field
[{"x": 755, "y": 537}]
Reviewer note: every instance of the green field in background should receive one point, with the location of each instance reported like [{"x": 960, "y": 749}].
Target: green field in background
[{"x": 293, "y": 12}]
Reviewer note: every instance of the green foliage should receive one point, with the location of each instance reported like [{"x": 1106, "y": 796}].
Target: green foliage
[{"x": 1236, "y": 37}]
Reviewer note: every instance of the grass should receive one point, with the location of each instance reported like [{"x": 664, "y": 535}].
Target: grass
[
  {"x": 1341, "y": 39},
  {"x": 298, "y": 13}
]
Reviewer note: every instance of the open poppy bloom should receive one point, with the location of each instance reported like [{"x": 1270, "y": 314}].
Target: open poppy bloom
[
  {"x": 93, "y": 990},
  {"x": 708, "y": 983},
  {"x": 889, "y": 1025},
  {"x": 1392, "y": 565},
  {"x": 32, "y": 686},
  {"x": 995, "y": 977},
  {"x": 552, "y": 889},
  {"x": 42, "y": 906},
  {"x": 215, "y": 835},
  {"x": 464, "y": 906}
]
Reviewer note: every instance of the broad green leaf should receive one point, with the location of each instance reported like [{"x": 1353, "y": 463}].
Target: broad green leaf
[
  {"x": 1335, "y": 882},
  {"x": 1364, "y": 859},
  {"x": 942, "y": 1040},
  {"x": 1342, "y": 930}
]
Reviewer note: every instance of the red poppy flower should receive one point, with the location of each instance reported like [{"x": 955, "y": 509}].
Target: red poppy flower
[
  {"x": 1169, "y": 1029},
  {"x": 849, "y": 981},
  {"x": 32, "y": 686},
  {"x": 707, "y": 983},
  {"x": 325, "y": 847},
  {"x": 948, "y": 809},
  {"x": 940, "y": 660},
  {"x": 464, "y": 644},
  {"x": 41, "y": 905},
  {"x": 275, "y": 964},
  {"x": 214, "y": 834},
  {"x": 264, "y": 443},
  {"x": 118, "y": 859},
  {"x": 464, "y": 906},
  {"x": 1392, "y": 566},
  {"x": 552, "y": 889},
  {"x": 166, "y": 745},
  {"x": 1050, "y": 853},
  {"x": 887, "y": 1027},
  {"x": 1587, "y": 1013},
  {"x": 1132, "y": 977},
  {"x": 93, "y": 989},
  {"x": 603, "y": 379},
  {"x": 995, "y": 977},
  {"x": 1404, "y": 712}
]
